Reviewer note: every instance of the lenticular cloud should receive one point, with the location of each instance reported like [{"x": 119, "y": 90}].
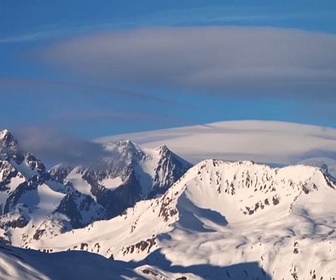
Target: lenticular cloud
[{"x": 226, "y": 60}]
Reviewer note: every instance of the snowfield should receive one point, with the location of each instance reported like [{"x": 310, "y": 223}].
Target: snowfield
[{"x": 224, "y": 220}]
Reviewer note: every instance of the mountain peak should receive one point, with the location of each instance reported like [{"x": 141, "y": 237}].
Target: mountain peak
[
  {"x": 129, "y": 149},
  {"x": 7, "y": 140},
  {"x": 126, "y": 143},
  {"x": 3, "y": 132},
  {"x": 163, "y": 149}
]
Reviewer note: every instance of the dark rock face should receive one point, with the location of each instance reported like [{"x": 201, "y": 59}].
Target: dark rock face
[
  {"x": 9, "y": 172},
  {"x": 60, "y": 172},
  {"x": 172, "y": 166},
  {"x": 76, "y": 205},
  {"x": 118, "y": 200},
  {"x": 127, "y": 161},
  {"x": 8, "y": 144},
  {"x": 15, "y": 219},
  {"x": 36, "y": 164},
  {"x": 14, "y": 197}
]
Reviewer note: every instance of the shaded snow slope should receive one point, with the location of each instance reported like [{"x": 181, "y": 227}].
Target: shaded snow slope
[
  {"x": 28, "y": 264},
  {"x": 31, "y": 265},
  {"x": 269, "y": 142},
  {"x": 246, "y": 220}
]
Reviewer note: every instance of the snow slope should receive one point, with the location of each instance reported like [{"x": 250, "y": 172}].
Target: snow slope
[
  {"x": 270, "y": 142},
  {"x": 31, "y": 265},
  {"x": 224, "y": 220}
]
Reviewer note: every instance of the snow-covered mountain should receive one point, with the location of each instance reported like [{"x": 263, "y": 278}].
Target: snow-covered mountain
[
  {"x": 36, "y": 203},
  {"x": 223, "y": 220},
  {"x": 32, "y": 203},
  {"x": 125, "y": 176}
]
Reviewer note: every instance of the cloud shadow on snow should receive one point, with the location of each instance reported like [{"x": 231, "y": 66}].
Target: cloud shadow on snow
[
  {"x": 84, "y": 265},
  {"x": 242, "y": 271}
]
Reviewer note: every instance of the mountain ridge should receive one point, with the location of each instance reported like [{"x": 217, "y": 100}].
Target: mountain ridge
[{"x": 214, "y": 208}]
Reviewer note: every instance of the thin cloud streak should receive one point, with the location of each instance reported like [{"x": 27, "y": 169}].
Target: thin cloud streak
[
  {"x": 103, "y": 116},
  {"x": 233, "y": 61},
  {"x": 16, "y": 82},
  {"x": 25, "y": 38},
  {"x": 233, "y": 15}
]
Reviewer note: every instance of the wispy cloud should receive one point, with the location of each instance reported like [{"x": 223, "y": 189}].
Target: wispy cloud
[
  {"x": 37, "y": 36},
  {"x": 83, "y": 89},
  {"x": 234, "y": 15},
  {"x": 24, "y": 38},
  {"x": 224, "y": 60},
  {"x": 117, "y": 116},
  {"x": 54, "y": 147}
]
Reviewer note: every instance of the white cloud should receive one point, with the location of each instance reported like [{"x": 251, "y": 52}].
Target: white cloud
[{"x": 226, "y": 60}]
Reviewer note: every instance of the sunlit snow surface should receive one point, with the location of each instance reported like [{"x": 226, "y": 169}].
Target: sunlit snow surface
[
  {"x": 224, "y": 220},
  {"x": 270, "y": 142}
]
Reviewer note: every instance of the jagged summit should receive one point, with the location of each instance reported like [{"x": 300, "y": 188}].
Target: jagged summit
[
  {"x": 7, "y": 140},
  {"x": 126, "y": 175},
  {"x": 126, "y": 150},
  {"x": 128, "y": 145},
  {"x": 162, "y": 148},
  {"x": 3, "y": 133}
]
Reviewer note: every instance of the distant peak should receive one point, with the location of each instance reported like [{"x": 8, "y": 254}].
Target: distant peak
[
  {"x": 130, "y": 148},
  {"x": 127, "y": 144},
  {"x": 7, "y": 139},
  {"x": 163, "y": 149},
  {"x": 4, "y": 133},
  {"x": 324, "y": 169}
]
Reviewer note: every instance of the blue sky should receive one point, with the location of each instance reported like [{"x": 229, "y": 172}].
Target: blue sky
[{"x": 96, "y": 68}]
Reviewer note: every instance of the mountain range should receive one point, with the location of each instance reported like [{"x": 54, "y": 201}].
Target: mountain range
[
  {"x": 146, "y": 213},
  {"x": 37, "y": 202}
]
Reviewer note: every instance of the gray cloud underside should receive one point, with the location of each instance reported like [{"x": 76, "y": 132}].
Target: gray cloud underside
[
  {"x": 226, "y": 60},
  {"x": 54, "y": 147}
]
